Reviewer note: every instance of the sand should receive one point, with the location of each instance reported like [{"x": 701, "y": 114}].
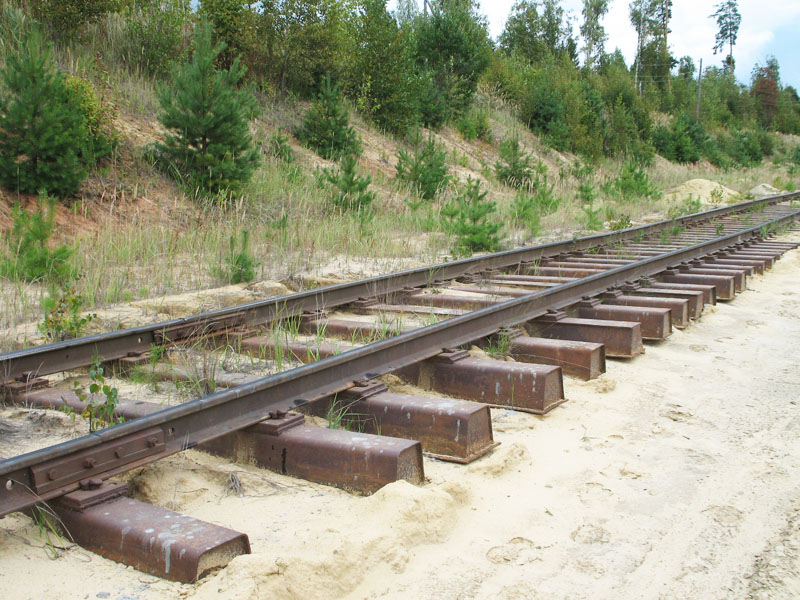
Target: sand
[{"x": 674, "y": 475}]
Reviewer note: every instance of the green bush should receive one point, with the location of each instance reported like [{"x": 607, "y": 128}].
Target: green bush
[
  {"x": 154, "y": 39},
  {"x": 325, "y": 127},
  {"x": 99, "y": 113},
  {"x": 62, "y": 315},
  {"x": 425, "y": 170},
  {"x": 684, "y": 142},
  {"x": 28, "y": 256},
  {"x": 475, "y": 125},
  {"x": 352, "y": 188},
  {"x": 207, "y": 115},
  {"x": 44, "y": 132},
  {"x": 468, "y": 217},
  {"x": 67, "y": 17}
]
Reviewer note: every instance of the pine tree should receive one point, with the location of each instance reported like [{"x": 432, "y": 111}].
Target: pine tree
[
  {"x": 44, "y": 133},
  {"x": 325, "y": 128},
  {"x": 208, "y": 116},
  {"x": 728, "y": 21},
  {"x": 468, "y": 217}
]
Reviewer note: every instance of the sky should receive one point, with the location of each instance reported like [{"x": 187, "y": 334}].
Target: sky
[{"x": 769, "y": 27}]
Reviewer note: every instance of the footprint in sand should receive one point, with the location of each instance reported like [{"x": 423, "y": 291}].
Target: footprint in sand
[
  {"x": 728, "y": 516},
  {"x": 518, "y": 551},
  {"x": 594, "y": 492},
  {"x": 699, "y": 348},
  {"x": 675, "y": 412},
  {"x": 604, "y": 385},
  {"x": 754, "y": 323},
  {"x": 590, "y": 534}
]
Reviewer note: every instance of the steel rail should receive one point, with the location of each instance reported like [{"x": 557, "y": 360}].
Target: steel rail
[
  {"x": 69, "y": 354},
  {"x": 181, "y": 427}
]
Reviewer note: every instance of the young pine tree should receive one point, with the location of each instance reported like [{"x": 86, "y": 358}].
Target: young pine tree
[
  {"x": 325, "y": 128},
  {"x": 208, "y": 115},
  {"x": 43, "y": 132},
  {"x": 468, "y": 217}
]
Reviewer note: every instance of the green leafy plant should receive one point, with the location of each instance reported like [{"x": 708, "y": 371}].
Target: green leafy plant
[
  {"x": 527, "y": 211},
  {"x": 239, "y": 263},
  {"x": 63, "y": 319},
  {"x": 207, "y": 116},
  {"x": 498, "y": 345},
  {"x": 425, "y": 170},
  {"x": 468, "y": 217},
  {"x": 474, "y": 124},
  {"x": 99, "y": 411},
  {"x": 28, "y": 256},
  {"x": 326, "y": 128},
  {"x": 353, "y": 194},
  {"x": 621, "y": 222}
]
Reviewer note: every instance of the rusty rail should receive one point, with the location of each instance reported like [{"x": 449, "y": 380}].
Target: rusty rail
[
  {"x": 70, "y": 354},
  {"x": 51, "y": 472}
]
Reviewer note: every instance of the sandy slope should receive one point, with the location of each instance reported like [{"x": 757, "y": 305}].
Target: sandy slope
[{"x": 675, "y": 475}]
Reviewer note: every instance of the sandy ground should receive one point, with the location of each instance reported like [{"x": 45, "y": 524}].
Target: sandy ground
[{"x": 675, "y": 475}]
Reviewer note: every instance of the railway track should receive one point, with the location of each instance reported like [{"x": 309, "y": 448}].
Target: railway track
[{"x": 555, "y": 308}]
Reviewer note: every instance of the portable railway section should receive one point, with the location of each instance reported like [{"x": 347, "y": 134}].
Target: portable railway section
[{"x": 554, "y": 308}]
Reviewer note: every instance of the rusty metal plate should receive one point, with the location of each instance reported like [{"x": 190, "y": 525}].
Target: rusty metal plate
[{"x": 57, "y": 473}]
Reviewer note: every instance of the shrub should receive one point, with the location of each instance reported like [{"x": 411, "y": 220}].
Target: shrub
[
  {"x": 526, "y": 211},
  {"x": 154, "y": 39},
  {"x": 591, "y": 215},
  {"x": 425, "y": 170},
  {"x": 467, "y": 216},
  {"x": 475, "y": 125},
  {"x": 44, "y": 133},
  {"x": 207, "y": 115},
  {"x": 28, "y": 257},
  {"x": 67, "y": 17},
  {"x": 239, "y": 264},
  {"x": 325, "y": 128},
  {"x": 99, "y": 113},
  {"x": 62, "y": 315},
  {"x": 352, "y": 188}
]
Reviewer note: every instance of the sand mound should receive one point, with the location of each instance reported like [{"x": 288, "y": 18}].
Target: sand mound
[
  {"x": 337, "y": 559},
  {"x": 764, "y": 189},
  {"x": 702, "y": 190}
]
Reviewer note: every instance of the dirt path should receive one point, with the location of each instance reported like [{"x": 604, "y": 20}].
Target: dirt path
[{"x": 675, "y": 475}]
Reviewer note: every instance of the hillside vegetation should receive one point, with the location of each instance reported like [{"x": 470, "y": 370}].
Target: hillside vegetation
[{"x": 150, "y": 148}]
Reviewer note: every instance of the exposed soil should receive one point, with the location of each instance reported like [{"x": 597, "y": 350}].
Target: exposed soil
[{"x": 674, "y": 475}]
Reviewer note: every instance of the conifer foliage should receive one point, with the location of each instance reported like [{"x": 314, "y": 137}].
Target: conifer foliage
[
  {"x": 325, "y": 127},
  {"x": 209, "y": 145},
  {"x": 468, "y": 217},
  {"x": 44, "y": 133}
]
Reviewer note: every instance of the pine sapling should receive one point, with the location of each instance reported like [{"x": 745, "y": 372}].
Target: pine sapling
[
  {"x": 240, "y": 264},
  {"x": 425, "y": 170},
  {"x": 468, "y": 218},
  {"x": 352, "y": 188},
  {"x": 326, "y": 128}
]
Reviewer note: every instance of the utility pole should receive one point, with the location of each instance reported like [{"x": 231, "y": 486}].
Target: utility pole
[{"x": 699, "y": 83}]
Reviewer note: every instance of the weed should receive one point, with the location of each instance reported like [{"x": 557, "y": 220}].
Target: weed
[
  {"x": 621, "y": 222},
  {"x": 499, "y": 345},
  {"x": 62, "y": 318},
  {"x": 279, "y": 147},
  {"x": 45, "y": 520},
  {"x": 239, "y": 264},
  {"x": 100, "y": 414},
  {"x": 716, "y": 197}
]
